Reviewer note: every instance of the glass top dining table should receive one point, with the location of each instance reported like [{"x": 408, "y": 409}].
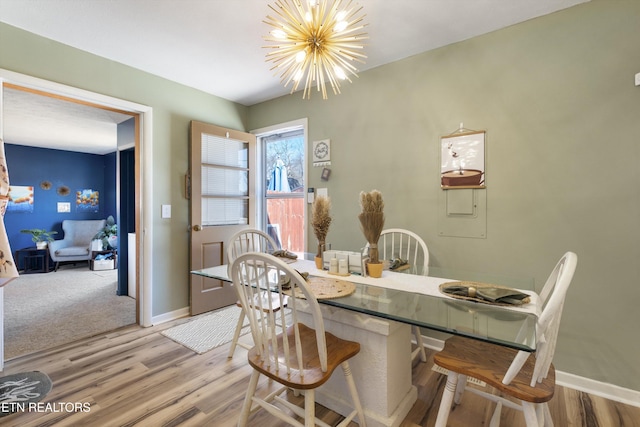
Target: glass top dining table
[{"x": 417, "y": 300}]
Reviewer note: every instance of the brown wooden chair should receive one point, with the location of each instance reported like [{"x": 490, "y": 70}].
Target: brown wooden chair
[
  {"x": 529, "y": 381},
  {"x": 301, "y": 358},
  {"x": 244, "y": 241}
]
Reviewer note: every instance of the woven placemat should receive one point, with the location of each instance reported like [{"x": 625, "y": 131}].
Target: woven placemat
[
  {"x": 479, "y": 285},
  {"x": 326, "y": 288}
]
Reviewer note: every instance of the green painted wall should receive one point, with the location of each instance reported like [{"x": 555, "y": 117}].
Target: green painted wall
[
  {"x": 556, "y": 96},
  {"x": 562, "y": 115},
  {"x": 174, "y": 106}
]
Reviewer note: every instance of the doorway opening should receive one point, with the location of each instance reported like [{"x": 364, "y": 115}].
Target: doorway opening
[
  {"x": 139, "y": 114},
  {"x": 281, "y": 186}
]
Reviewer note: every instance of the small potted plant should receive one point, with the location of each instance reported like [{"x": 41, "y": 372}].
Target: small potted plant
[
  {"x": 320, "y": 221},
  {"x": 41, "y": 237},
  {"x": 108, "y": 235},
  {"x": 372, "y": 222}
]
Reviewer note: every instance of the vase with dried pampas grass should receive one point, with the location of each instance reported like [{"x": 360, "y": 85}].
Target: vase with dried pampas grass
[
  {"x": 372, "y": 222},
  {"x": 320, "y": 221}
]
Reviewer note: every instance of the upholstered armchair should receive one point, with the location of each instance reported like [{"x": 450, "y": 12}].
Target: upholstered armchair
[{"x": 76, "y": 244}]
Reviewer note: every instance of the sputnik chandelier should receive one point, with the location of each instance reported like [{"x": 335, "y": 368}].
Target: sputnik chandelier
[{"x": 315, "y": 42}]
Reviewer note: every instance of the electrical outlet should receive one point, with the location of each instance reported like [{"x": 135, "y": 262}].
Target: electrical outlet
[{"x": 638, "y": 79}]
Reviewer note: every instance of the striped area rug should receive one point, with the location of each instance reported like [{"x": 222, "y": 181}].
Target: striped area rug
[{"x": 207, "y": 331}]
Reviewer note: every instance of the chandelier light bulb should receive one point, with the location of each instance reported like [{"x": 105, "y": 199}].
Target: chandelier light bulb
[
  {"x": 315, "y": 41},
  {"x": 279, "y": 34},
  {"x": 341, "y": 26}
]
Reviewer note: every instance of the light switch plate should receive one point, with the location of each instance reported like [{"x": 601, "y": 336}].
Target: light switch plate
[
  {"x": 166, "y": 211},
  {"x": 638, "y": 79}
]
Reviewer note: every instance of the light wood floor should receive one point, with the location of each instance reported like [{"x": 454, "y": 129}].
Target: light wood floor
[{"x": 137, "y": 377}]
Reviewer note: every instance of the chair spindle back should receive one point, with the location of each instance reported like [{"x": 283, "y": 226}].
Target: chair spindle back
[{"x": 254, "y": 273}]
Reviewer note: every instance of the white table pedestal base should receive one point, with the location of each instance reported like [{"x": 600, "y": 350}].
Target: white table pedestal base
[{"x": 382, "y": 369}]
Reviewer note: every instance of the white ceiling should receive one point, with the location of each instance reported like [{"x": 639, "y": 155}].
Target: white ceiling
[
  {"x": 217, "y": 46},
  {"x": 42, "y": 121}
]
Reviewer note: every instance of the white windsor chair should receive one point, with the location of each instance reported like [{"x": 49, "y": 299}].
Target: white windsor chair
[
  {"x": 301, "y": 357},
  {"x": 244, "y": 241},
  {"x": 528, "y": 380}
]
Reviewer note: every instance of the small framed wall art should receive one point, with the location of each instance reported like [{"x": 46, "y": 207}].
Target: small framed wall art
[
  {"x": 322, "y": 152},
  {"x": 462, "y": 160}
]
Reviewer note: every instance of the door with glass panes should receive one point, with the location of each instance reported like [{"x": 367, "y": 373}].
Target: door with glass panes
[
  {"x": 222, "y": 195},
  {"x": 284, "y": 208}
]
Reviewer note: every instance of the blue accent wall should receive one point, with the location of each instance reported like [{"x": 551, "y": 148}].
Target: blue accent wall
[{"x": 30, "y": 166}]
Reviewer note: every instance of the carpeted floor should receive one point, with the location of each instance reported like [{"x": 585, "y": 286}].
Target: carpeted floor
[{"x": 48, "y": 309}]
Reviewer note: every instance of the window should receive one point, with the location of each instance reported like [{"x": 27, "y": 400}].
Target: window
[
  {"x": 225, "y": 183},
  {"x": 283, "y": 213}
]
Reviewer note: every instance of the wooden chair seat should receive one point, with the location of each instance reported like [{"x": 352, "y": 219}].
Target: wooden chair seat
[
  {"x": 488, "y": 362},
  {"x": 274, "y": 309},
  {"x": 310, "y": 376}
]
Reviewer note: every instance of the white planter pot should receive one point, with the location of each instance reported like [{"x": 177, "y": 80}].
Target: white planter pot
[
  {"x": 96, "y": 245},
  {"x": 113, "y": 241}
]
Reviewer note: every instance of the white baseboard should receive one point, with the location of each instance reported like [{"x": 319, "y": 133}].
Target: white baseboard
[
  {"x": 587, "y": 385},
  {"x": 172, "y": 315},
  {"x": 433, "y": 343},
  {"x": 598, "y": 388}
]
